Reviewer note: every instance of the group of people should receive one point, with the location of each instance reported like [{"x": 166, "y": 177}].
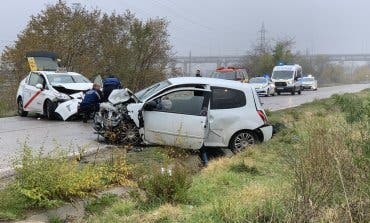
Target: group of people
[{"x": 93, "y": 98}]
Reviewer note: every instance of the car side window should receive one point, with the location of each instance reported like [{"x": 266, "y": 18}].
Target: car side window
[
  {"x": 34, "y": 79},
  {"x": 226, "y": 98},
  {"x": 183, "y": 102}
]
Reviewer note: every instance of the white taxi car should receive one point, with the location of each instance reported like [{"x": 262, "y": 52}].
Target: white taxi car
[
  {"x": 45, "y": 87},
  {"x": 41, "y": 92}
]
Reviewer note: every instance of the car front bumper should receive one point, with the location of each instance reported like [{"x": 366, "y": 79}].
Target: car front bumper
[
  {"x": 308, "y": 86},
  {"x": 261, "y": 91},
  {"x": 284, "y": 88}
]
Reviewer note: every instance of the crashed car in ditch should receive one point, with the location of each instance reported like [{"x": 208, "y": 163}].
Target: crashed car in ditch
[
  {"x": 49, "y": 90},
  {"x": 187, "y": 112}
]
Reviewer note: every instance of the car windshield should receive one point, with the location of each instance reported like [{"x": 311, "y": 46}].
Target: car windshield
[
  {"x": 149, "y": 91},
  {"x": 307, "y": 79},
  {"x": 55, "y": 79},
  {"x": 258, "y": 80},
  {"x": 282, "y": 74},
  {"x": 224, "y": 75}
]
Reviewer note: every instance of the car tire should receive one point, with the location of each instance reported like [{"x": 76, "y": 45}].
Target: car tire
[
  {"x": 278, "y": 92},
  {"x": 20, "y": 109},
  {"x": 241, "y": 140},
  {"x": 293, "y": 92},
  {"x": 49, "y": 110},
  {"x": 268, "y": 93},
  {"x": 300, "y": 91}
]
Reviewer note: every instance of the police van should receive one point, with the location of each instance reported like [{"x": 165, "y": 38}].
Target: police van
[{"x": 286, "y": 78}]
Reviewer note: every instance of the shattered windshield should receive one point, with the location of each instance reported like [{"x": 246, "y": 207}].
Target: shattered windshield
[
  {"x": 149, "y": 91},
  {"x": 282, "y": 74},
  {"x": 55, "y": 79}
]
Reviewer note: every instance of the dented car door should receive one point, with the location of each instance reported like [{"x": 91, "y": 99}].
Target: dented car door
[{"x": 177, "y": 118}]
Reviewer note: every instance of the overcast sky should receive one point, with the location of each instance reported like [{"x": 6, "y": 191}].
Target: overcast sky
[{"x": 218, "y": 27}]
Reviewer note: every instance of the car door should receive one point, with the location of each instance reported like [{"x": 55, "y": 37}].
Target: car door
[
  {"x": 177, "y": 118},
  {"x": 30, "y": 92}
]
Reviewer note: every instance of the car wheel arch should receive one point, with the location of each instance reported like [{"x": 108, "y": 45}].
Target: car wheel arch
[{"x": 256, "y": 132}]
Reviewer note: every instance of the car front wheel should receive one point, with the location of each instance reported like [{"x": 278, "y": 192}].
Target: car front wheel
[
  {"x": 49, "y": 110},
  {"x": 241, "y": 141},
  {"x": 21, "y": 111}
]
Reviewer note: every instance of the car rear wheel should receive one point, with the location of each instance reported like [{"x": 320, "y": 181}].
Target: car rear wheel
[
  {"x": 242, "y": 140},
  {"x": 20, "y": 110},
  {"x": 49, "y": 110}
]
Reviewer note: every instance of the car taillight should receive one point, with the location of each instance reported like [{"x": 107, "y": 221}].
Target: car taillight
[{"x": 263, "y": 116}]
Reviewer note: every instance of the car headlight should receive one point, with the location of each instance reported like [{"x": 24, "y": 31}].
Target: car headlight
[{"x": 61, "y": 96}]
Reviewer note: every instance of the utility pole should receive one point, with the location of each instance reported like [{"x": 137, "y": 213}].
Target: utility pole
[
  {"x": 189, "y": 63},
  {"x": 262, "y": 40}
]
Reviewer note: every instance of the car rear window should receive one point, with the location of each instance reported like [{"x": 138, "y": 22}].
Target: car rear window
[{"x": 226, "y": 98}]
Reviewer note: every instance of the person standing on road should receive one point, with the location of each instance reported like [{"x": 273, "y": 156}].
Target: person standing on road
[
  {"x": 197, "y": 74},
  {"x": 109, "y": 84},
  {"x": 91, "y": 101}
]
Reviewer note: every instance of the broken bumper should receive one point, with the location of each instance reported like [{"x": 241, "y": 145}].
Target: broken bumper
[
  {"x": 68, "y": 108},
  {"x": 267, "y": 132}
]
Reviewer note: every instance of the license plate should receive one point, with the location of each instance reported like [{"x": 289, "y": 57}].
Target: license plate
[{"x": 280, "y": 88}]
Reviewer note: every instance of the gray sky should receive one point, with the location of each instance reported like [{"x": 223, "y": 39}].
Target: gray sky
[{"x": 215, "y": 27}]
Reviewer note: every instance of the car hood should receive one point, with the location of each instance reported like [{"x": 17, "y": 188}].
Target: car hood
[
  {"x": 75, "y": 86},
  {"x": 72, "y": 88},
  {"x": 258, "y": 85}
]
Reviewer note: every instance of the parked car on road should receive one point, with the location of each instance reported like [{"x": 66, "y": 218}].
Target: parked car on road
[
  {"x": 187, "y": 112},
  {"x": 230, "y": 73},
  {"x": 263, "y": 86},
  {"x": 309, "y": 83},
  {"x": 46, "y": 87}
]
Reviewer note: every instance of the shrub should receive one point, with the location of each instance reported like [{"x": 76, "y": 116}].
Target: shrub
[
  {"x": 166, "y": 185},
  {"x": 46, "y": 180}
]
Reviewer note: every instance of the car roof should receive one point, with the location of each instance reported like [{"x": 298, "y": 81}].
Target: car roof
[
  {"x": 53, "y": 72},
  {"x": 209, "y": 81}
]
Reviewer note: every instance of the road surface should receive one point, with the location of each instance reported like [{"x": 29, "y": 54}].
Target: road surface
[{"x": 38, "y": 133}]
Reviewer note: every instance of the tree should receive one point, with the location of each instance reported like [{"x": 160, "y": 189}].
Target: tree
[
  {"x": 92, "y": 42},
  {"x": 262, "y": 60}
]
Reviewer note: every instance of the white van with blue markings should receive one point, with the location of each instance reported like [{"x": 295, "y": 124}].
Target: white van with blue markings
[{"x": 286, "y": 79}]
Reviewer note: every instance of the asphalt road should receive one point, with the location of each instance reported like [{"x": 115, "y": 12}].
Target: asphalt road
[{"x": 74, "y": 136}]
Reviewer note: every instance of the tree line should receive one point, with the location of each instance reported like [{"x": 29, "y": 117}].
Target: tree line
[{"x": 95, "y": 43}]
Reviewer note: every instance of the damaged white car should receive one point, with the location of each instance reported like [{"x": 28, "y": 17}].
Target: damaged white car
[
  {"x": 47, "y": 90},
  {"x": 186, "y": 112}
]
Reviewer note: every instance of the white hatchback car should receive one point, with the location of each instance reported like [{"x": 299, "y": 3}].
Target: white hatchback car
[
  {"x": 189, "y": 112},
  {"x": 42, "y": 92}
]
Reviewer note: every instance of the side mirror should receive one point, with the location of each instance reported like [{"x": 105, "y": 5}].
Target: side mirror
[
  {"x": 39, "y": 86},
  {"x": 150, "y": 106}
]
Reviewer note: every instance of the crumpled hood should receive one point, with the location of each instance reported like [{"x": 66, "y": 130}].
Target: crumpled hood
[{"x": 75, "y": 86}]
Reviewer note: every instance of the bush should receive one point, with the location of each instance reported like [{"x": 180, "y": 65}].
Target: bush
[
  {"x": 49, "y": 180},
  {"x": 166, "y": 185}
]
